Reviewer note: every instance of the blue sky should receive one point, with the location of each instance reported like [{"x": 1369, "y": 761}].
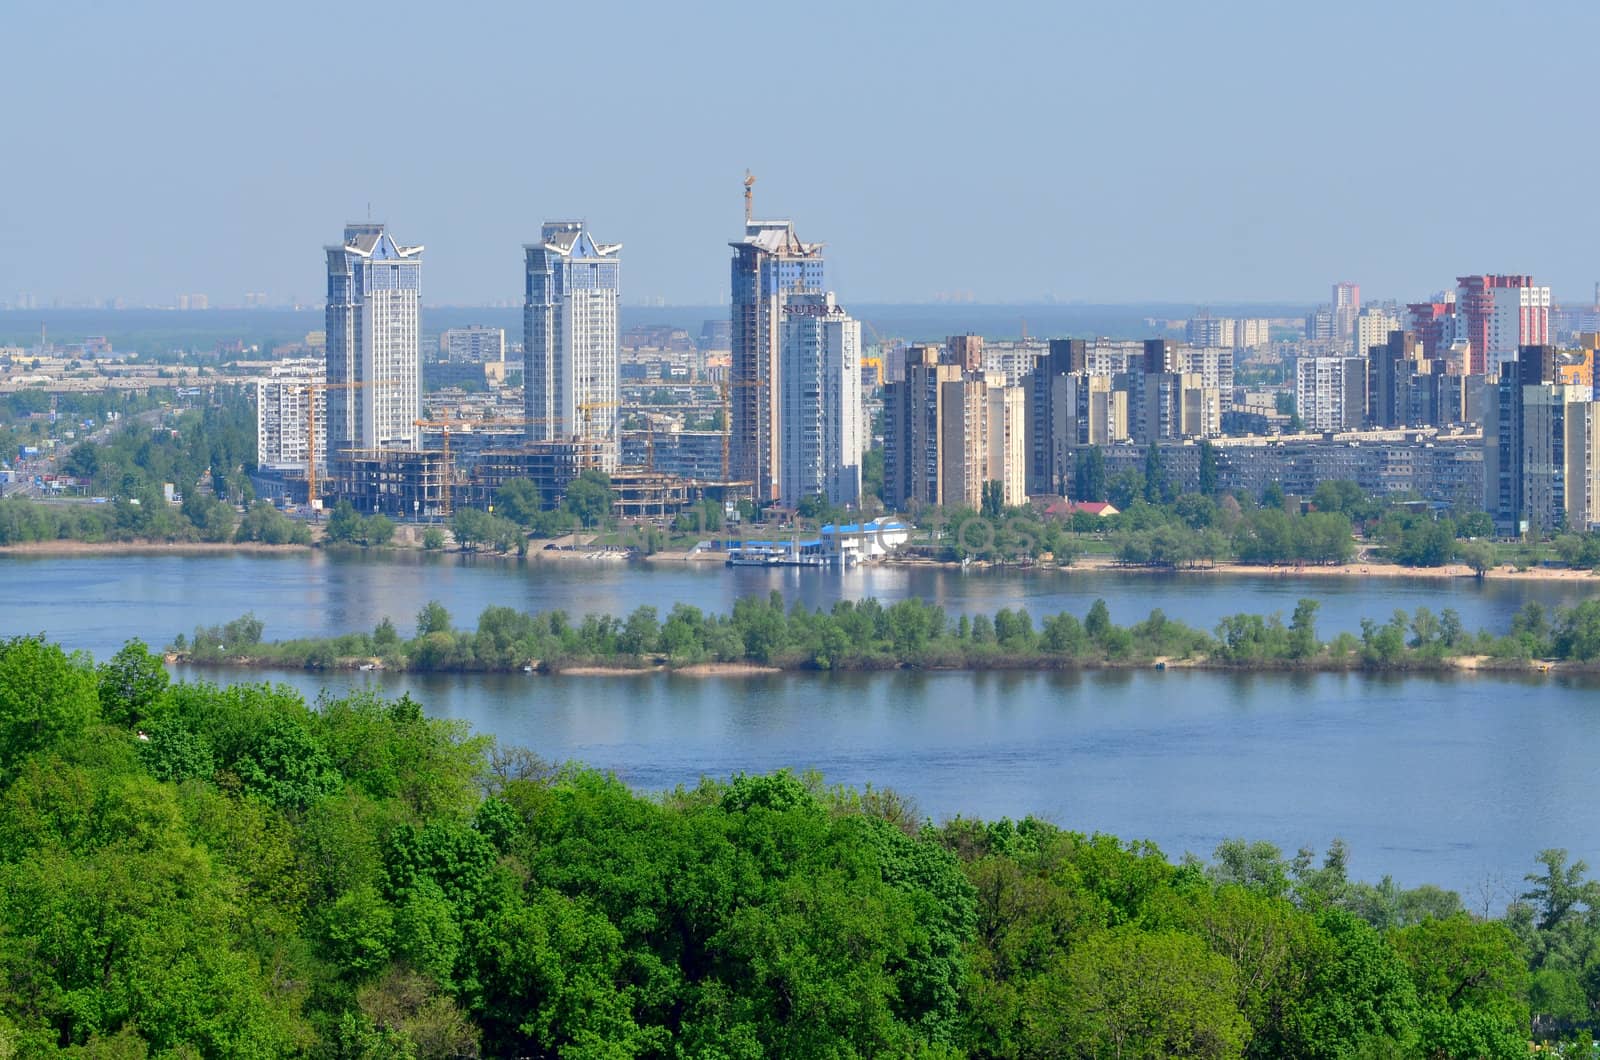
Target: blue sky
[{"x": 1106, "y": 152}]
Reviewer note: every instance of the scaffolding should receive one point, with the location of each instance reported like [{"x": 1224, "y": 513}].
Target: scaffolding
[
  {"x": 408, "y": 483},
  {"x": 644, "y": 494},
  {"x": 551, "y": 466}
]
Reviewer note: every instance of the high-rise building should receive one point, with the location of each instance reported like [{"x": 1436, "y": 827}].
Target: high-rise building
[
  {"x": 1008, "y": 440},
  {"x": 1390, "y": 370},
  {"x": 769, "y": 261},
  {"x": 965, "y": 350},
  {"x": 374, "y": 340},
  {"x": 820, "y": 419},
  {"x": 285, "y": 405},
  {"x": 1541, "y": 449},
  {"x": 1207, "y": 330},
  {"x": 913, "y": 454},
  {"x": 1331, "y": 392},
  {"x": 1320, "y": 324},
  {"x": 1373, "y": 326},
  {"x": 570, "y": 338},
  {"x": 1346, "y": 307},
  {"x": 1499, "y": 315},
  {"x": 474, "y": 344},
  {"x": 1252, "y": 333}
]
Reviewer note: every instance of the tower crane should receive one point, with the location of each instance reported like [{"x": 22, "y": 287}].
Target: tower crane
[{"x": 311, "y": 426}]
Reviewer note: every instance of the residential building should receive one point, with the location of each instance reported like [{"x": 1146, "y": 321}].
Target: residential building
[
  {"x": 1013, "y": 360},
  {"x": 1008, "y": 441},
  {"x": 475, "y": 344},
  {"x": 1499, "y": 315},
  {"x": 1373, "y": 326},
  {"x": 286, "y": 402},
  {"x": 1320, "y": 325},
  {"x": 1541, "y": 449},
  {"x": 1331, "y": 392},
  {"x": 1251, "y": 334},
  {"x": 913, "y": 471},
  {"x": 1346, "y": 308},
  {"x": 570, "y": 337},
  {"x": 769, "y": 261},
  {"x": 822, "y": 436},
  {"x": 374, "y": 353},
  {"x": 1390, "y": 368},
  {"x": 965, "y": 350},
  {"x": 1207, "y": 330},
  {"x": 964, "y": 440}
]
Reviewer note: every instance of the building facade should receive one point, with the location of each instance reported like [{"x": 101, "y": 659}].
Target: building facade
[
  {"x": 474, "y": 344},
  {"x": 1540, "y": 446},
  {"x": 570, "y": 337},
  {"x": 286, "y": 403},
  {"x": 1498, "y": 315},
  {"x": 374, "y": 352},
  {"x": 768, "y": 262},
  {"x": 821, "y": 434},
  {"x": 1331, "y": 392}
]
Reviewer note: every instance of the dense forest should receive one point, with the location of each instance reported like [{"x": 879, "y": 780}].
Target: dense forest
[
  {"x": 868, "y": 635},
  {"x": 188, "y": 870}
]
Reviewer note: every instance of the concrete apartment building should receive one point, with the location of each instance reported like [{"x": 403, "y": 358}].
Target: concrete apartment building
[
  {"x": 474, "y": 344},
  {"x": 821, "y": 431},
  {"x": 286, "y": 402},
  {"x": 1541, "y": 449},
  {"x": 1331, "y": 392},
  {"x": 1499, "y": 315},
  {"x": 948, "y": 432}
]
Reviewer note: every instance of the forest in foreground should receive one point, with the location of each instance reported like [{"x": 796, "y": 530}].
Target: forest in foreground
[{"x": 192, "y": 870}]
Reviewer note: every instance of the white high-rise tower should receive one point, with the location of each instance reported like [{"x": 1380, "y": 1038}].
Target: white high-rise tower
[
  {"x": 374, "y": 339},
  {"x": 570, "y": 337}
]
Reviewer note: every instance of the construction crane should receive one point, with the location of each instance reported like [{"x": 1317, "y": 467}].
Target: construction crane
[
  {"x": 311, "y": 426},
  {"x": 727, "y": 415},
  {"x": 749, "y": 205}
]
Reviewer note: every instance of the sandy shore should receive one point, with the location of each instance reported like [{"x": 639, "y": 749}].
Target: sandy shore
[{"x": 1354, "y": 569}]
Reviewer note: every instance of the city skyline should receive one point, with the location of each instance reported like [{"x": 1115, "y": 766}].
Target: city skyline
[{"x": 1217, "y": 135}]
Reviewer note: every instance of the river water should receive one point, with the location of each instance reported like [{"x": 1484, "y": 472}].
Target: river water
[{"x": 1453, "y": 781}]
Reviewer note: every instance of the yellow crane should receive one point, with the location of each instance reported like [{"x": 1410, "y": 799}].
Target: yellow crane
[
  {"x": 444, "y": 426},
  {"x": 311, "y": 427},
  {"x": 727, "y": 414}
]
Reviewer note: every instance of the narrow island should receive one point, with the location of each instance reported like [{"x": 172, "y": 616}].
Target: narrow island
[{"x": 762, "y": 634}]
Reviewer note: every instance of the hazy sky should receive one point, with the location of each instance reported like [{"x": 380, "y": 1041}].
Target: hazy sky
[{"x": 1113, "y": 151}]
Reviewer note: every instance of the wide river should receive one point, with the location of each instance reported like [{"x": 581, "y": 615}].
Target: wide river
[{"x": 1453, "y": 781}]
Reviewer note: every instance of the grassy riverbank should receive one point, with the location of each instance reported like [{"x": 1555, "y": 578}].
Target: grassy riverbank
[{"x": 762, "y": 635}]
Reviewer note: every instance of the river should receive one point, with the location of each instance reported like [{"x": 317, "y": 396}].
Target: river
[{"x": 1457, "y": 781}]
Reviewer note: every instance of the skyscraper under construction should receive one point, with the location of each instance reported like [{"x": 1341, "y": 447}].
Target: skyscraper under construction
[{"x": 767, "y": 263}]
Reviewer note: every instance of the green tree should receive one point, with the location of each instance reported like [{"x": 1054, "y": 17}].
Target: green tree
[
  {"x": 1208, "y": 469},
  {"x": 589, "y": 497},
  {"x": 46, "y": 696},
  {"x": 1089, "y": 475},
  {"x": 432, "y": 618},
  {"x": 519, "y": 500},
  {"x": 344, "y": 525},
  {"x": 1135, "y": 994},
  {"x": 130, "y": 683}
]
